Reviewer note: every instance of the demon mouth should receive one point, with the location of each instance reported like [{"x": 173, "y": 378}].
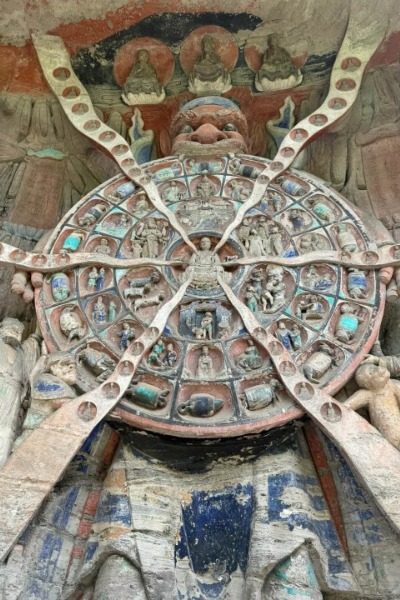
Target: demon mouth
[{"x": 220, "y": 148}]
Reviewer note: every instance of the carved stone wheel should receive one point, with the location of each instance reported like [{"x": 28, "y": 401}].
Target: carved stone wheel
[{"x": 206, "y": 376}]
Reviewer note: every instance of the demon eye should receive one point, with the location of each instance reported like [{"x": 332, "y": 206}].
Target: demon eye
[
  {"x": 229, "y": 127},
  {"x": 186, "y": 129}
]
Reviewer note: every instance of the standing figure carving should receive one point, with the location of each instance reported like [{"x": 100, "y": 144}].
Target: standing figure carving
[{"x": 17, "y": 360}]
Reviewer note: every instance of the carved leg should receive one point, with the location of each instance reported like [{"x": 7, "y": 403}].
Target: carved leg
[
  {"x": 119, "y": 578},
  {"x": 293, "y": 579}
]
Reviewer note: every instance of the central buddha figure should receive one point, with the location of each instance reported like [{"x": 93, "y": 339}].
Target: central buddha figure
[
  {"x": 209, "y": 75},
  {"x": 205, "y": 266}
]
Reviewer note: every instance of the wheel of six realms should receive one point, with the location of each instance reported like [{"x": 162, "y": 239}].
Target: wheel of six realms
[{"x": 206, "y": 376}]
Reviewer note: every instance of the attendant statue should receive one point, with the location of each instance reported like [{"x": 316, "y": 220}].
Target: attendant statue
[
  {"x": 53, "y": 381},
  {"x": 380, "y": 395},
  {"x": 142, "y": 85},
  {"x": 209, "y": 75},
  {"x": 277, "y": 71},
  {"x": 17, "y": 360}
]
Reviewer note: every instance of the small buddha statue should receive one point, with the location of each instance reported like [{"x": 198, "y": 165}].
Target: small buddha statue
[
  {"x": 277, "y": 71},
  {"x": 142, "y": 85},
  {"x": 209, "y": 75}
]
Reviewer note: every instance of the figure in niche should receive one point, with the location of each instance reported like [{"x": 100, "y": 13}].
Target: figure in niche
[
  {"x": 118, "y": 226},
  {"x": 207, "y": 325},
  {"x": 126, "y": 335},
  {"x": 92, "y": 278},
  {"x": 273, "y": 293},
  {"x": 276, "y": 241},
  {"x": 251, "y": 298},
  {"x": 100, "y": 279},
  {"x": 123, "y": 221},
  {"x": 60, "y": 286},
  {"x": 73, "y": 241},
  {"x": 321, "y": 210},
  {"x": 162, "y": 356},
  {"x": 239, "y": 192},
  {"x": 291, "y": 186},
  {"x": 295, "y": 337},
  {"x": 313, "y": 279},
  {"x": 209, "y": 74},
  {"x": 319, "y": 363},
  {"x": 151, "y": 237},
  {"x": 142, "y": 85},
  {"x": 173, "y": 193},
  {"x": 256, "y": 247},
  {"x": 296, "y": 220},
  {"x": 99, "y": 312},
  {"x": 250, "y": 359},
  {"x": 276, "y": 199},
  {"x": 156, "y": 354},
  {"x": 205, "y": 188},
  {"x": 92, "y": 215},
  {"x": 347, "y": 324},
  {"x": 310, "y": 308},
  {"x": 103, "y": 247},
  {"x": 136, "y": 249},
  {"x": 263, "y": 232},
  {"x": 290, "y": 338},
  {"x": 283, "y": 335},
  {"x": 205, "y": 266},
  {"x": 112, "y": 311},
  {"x": 142, "y": 205},
  {"x": 244, "y": 232},
  {"x": 205, "y": 367},
  {"x": 357, "y": 283},
  {"x": 346, "y": 240},
  {"x": 205, "y": 328},
  {"x": 205, "y": 212},
  {"x": 71, "y": 324},
  {"x": 98, "y": 363},
  {"x": 277, "y": 71},
  {"x": 171, "y": 357},
  {"x": 262, "y": 395},
  {"x": 256, "y": 279},
  {"x": 312, "y": 242},
  {"x": 381, "y": 395}
]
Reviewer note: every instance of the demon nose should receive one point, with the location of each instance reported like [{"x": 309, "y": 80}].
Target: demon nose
[{"x": 207, "y": 134}]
